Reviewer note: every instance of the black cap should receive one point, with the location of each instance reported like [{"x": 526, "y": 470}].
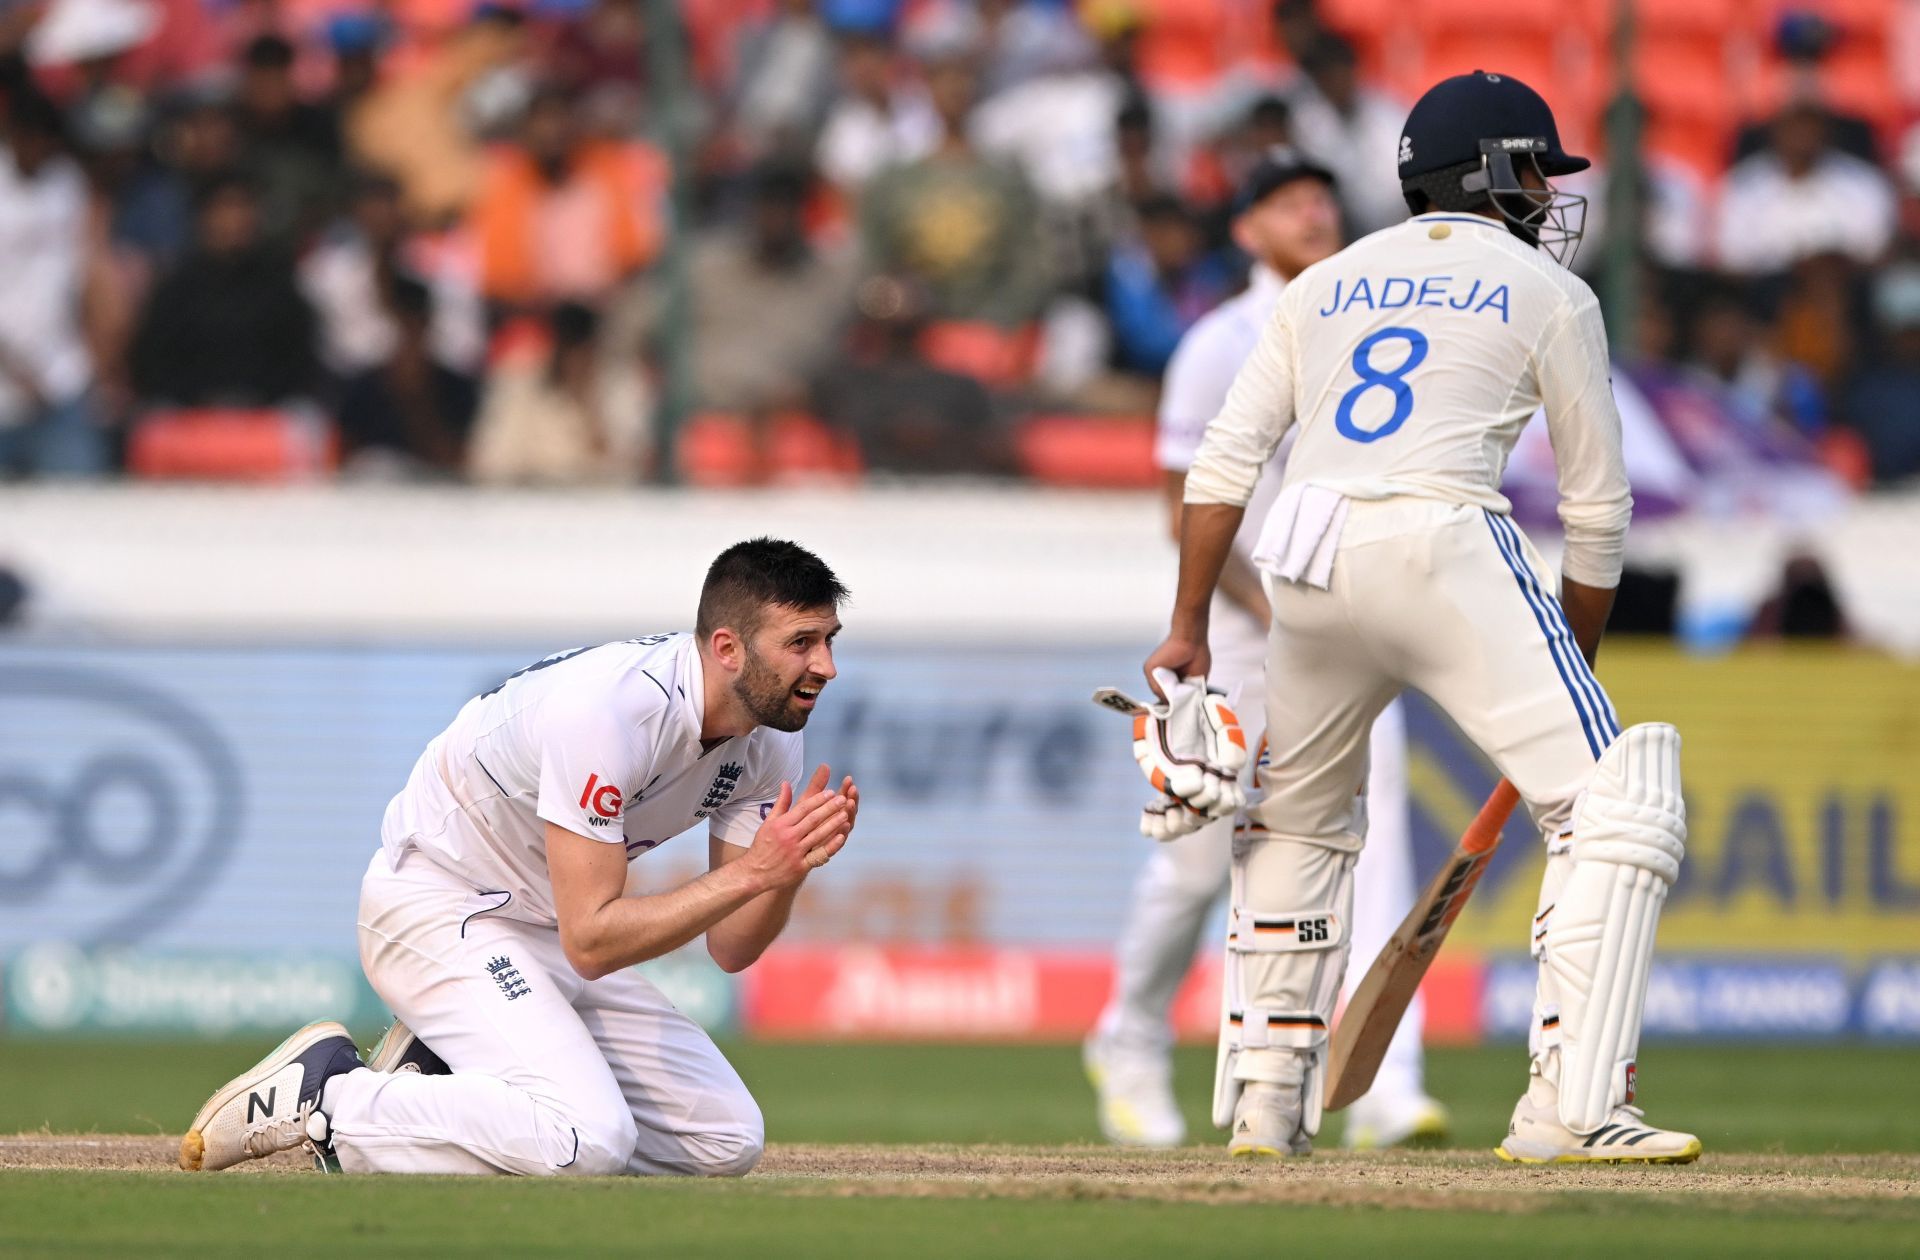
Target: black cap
[
  {"x": 1278, "y": 166},
  {"x": 1449, "y": 125}
]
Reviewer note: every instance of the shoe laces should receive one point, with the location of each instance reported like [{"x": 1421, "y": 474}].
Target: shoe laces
[{"x": 270, "y": 1137}]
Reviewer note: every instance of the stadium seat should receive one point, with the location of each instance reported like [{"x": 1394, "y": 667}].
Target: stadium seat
[
  {"x": 1362, "y": 19},
  {"x": 996, "y": 357},
  {"x": 1093, "y": 452},
  {"x": 1495, "y": 19},
  {"x": 801, "y": 448},
  {"x": 725, "y": 450},
  {"x": 1692, "y": 107},
  {"x": 718, "y": 450},
  {"x": 232, "y": 444}
]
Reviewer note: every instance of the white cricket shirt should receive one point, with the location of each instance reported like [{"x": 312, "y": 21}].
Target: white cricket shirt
[
  {"x": 1410, "y": 361},
  {"x": 604, "y": 741},
  {"x": 1196, "y": 383}
]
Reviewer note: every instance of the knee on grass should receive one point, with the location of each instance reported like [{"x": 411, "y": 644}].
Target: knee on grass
[{"x": 597, "y": 1147}]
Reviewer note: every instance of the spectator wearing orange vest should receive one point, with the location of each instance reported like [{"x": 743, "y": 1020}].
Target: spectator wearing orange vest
[{"x": 564, "y": 218}]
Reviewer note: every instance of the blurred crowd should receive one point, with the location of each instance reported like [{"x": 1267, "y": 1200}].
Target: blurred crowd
[{"x": 419, "y": 238}]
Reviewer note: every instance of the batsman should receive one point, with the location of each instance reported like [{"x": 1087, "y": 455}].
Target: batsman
[{"x": 1409, "y": 363}]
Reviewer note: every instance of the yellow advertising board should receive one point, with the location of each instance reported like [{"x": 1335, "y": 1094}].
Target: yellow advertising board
[{"x": 1802, "y": 773}]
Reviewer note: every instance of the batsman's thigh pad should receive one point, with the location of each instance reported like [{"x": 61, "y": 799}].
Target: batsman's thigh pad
[
  {"x": 1287, "y": 946},
  {"x": 1629, "y": 834}
]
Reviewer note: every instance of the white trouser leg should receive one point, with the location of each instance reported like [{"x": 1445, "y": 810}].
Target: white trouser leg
[
  {"x": 536, "y": 1088},
  {"x": 530, "y": 1091},
  {"x": 693, "y": 1114},
  {"x": 1184, "y": 878},
  {"x": 1294, "y": 864},
  {"x": 1383, "y": 892},
  {"x": 1172, "y": 900},
  {"x": 1455, "y": 601}
]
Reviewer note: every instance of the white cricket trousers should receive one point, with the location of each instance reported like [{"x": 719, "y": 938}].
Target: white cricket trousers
[
  {"x": 1451, "y": 600},
  {"x": 1183, "y": 880},
  {"x": 551, "y": 1073}
]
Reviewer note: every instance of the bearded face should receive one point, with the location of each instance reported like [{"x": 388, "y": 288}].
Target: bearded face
[{"x": 784, "y": 667}]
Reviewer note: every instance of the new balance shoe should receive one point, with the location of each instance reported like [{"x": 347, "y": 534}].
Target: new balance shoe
[
  {"x": 1536, "y": 1136},
  {"x": 1135, "y": 1089},
  {"x": 1266, "y": 1123},
  {"x": 399, "y": 1050},
  {"x": 275, "y": 1105}
]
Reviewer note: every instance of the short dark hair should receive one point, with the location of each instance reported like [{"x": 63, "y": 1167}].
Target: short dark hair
[
  {"x": 268, "y": 52},
  {"x": 749, "y": 576}
]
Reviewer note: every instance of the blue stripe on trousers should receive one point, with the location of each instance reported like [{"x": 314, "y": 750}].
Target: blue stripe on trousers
[
  {"x": 1582, "y": 672},
  {"x": 1527, "y": 589}
]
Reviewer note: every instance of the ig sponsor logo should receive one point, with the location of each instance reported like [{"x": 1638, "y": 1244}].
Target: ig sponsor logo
[{"x": 118, "y": 804}]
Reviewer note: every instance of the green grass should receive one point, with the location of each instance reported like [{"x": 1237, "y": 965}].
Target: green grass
[
  {"x": 1803, "y": 1100},
  {"x": 1789, "y": 1099},
  {"x": 77, "y": 1214}
]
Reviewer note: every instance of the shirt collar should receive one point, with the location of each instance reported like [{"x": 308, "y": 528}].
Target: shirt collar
[
  {"x": 692, "y": 679},
  {"x": 1450, "y": 216}
]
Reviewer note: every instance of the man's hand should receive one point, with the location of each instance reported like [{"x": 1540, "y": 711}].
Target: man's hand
[
  {"x": 1587, "y": 609},
  {"x": 801, "y": 836},
  {"x": 1186, "y": 657}
]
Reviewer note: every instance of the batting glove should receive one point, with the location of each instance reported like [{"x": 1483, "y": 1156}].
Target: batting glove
[
  {"x": 1190, "y": 745},
  {"x": 1168, "y": 819}
]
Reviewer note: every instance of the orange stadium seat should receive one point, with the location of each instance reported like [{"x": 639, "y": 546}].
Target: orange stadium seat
[
  {"x": 801, "y": 448},
  {"x": 1493, "y": 18},
  {"x": 725, "y": 450},
  {"x": 992, "y": 355},
  {"x": 1692, "y": 108},
  {"x": 231, "y": 444},
  {"x": 1362, "y": 19},
  {"x": 1095, "y": 452},
  {"x": 718, "y": 450}
]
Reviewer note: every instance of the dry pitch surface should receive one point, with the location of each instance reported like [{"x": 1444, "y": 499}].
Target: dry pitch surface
[{"x": 1459, "y": 1180}]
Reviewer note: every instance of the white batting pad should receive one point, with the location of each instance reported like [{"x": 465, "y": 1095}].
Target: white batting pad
[
  {"x": 1287, "y": 948},
  {"x": 1629, "y": 834}
]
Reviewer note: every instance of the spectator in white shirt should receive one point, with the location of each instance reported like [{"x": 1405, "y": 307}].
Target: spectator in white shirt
[
  {"x": 877, "y": 122},
  {"x": 1348, "y": 127},
  {"x": 350, "y": 276},
  {"x": 47, "y": 421},
  {"x": 1800, "y": 197}
]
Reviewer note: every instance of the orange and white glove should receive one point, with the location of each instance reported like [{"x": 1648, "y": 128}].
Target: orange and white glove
[
  {"x": 1190, "y": 747},
  {"x": 1168, "y": 819}
]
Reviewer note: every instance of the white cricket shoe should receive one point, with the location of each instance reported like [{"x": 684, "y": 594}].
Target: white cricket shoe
[
  {"x": 1536, "y": 1136},
  {"x": 1266, "y": 1123},
  {"x": 1377, "y": 1121},
  {"x": 275, "y": 1105},
  {"x": 1137, "y": 1107},
  {"x": 399, "y": 1050}
]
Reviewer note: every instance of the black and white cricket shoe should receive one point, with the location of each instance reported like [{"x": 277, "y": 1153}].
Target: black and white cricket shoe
[
  {"x": 399, "y": 1050},
  {"x": 275, "y": 1105}
]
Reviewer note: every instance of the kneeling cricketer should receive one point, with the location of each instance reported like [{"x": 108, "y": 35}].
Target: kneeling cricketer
[{"x": 495, "y": 920}]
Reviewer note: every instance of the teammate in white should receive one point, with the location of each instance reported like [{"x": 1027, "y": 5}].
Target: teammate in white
[
  {"x": 1287, "y": 218},
  {"x": 1408, "y": 364},
  {"x": 496, "y": 923}
]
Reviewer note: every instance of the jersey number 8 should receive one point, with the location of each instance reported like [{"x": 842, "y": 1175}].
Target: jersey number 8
[{"x": 1372, "y": 378}]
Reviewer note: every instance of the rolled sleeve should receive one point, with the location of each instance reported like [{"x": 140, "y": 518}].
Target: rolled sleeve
[{"x": 1583, "y": 422}]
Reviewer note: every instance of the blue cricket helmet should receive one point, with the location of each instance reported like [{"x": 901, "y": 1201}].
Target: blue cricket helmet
[{"x": 1464, "y": 144}]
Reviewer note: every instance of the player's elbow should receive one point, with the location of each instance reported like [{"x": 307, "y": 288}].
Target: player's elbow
[
  {"x": 730, "y": 958},
  {"x": 589, "y": 967},
  {"x": 589, "y": 960}
]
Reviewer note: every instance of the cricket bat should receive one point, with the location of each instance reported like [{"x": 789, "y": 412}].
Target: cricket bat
[{"x": 1360, "y": 1038}]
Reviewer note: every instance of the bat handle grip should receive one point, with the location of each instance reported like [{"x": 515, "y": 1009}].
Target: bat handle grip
[{"x": 1483, "y": 833}]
